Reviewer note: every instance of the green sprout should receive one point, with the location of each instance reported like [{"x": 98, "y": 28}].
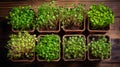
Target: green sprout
[
  {"x": 47, "y": 16},
  {"x": 74, "y": 47},
  {"x": 100, "y": 16},
  {"x": 21, "y": 45},
  {"x": 100, "y": 48},
  {"x": 72, "y": 16},
  {"x": 21, "y": 18},
  {"x": 48, "y": 47}
]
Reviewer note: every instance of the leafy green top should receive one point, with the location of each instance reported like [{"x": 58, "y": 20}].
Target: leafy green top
[
  {"x": 21, "y": 17},
  {"x": 100, "y": 16},
  {"x": 74, "y": 15},
  {"x": 100, "y": 48},
  {"x": 48, "y": 47},
  {"x": 47, "y": 15},
  {"x": 21, "y": 45},
  {"x": 74, "y": 47}
]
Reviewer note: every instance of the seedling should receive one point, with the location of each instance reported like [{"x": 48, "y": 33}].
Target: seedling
[
  {"x": 21, "y": 46},
  {"x": 72, "y": 17},
  {"x": 47, "y": 16},
  {"x": 100, "y": 48},
  {"x": 74, "y": 47},
  {"x": 21, "y": 18},
  {"x": 48, "y": 47},
  {"x": 100, "y": 16}
]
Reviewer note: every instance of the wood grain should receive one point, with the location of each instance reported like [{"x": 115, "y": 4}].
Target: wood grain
[{"x": 114, "y": 33}]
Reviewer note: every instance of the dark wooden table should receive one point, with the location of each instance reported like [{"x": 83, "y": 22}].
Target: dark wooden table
[{"x": 114, "y": 33}]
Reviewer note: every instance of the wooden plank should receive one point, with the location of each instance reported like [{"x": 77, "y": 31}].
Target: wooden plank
[
  {"x": 82, "y": 0},
  {"x": 115, "y": 29},
  {"x": 114, "y": 6},
  {"x": 4, "y": 11},
  {"x": 62, "y": 0},
  {"x": 12, "y": 4},
  {"x": 90, "y": 0}
]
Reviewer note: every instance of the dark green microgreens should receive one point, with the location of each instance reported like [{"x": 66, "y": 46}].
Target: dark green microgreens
[
  {"x": 47, "y": 16},
  {"x": 100, "y": 48},
  {"x": 21, "y": 18},
  {"x": 74, "y": 15},
  {"x": 100, "y": 16},
  {"x": 74, "y": 47},
  {"x": 48, "y": 47}
]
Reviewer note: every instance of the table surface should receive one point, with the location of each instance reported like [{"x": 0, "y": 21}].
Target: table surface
[{"x": 114, "y": 33}]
